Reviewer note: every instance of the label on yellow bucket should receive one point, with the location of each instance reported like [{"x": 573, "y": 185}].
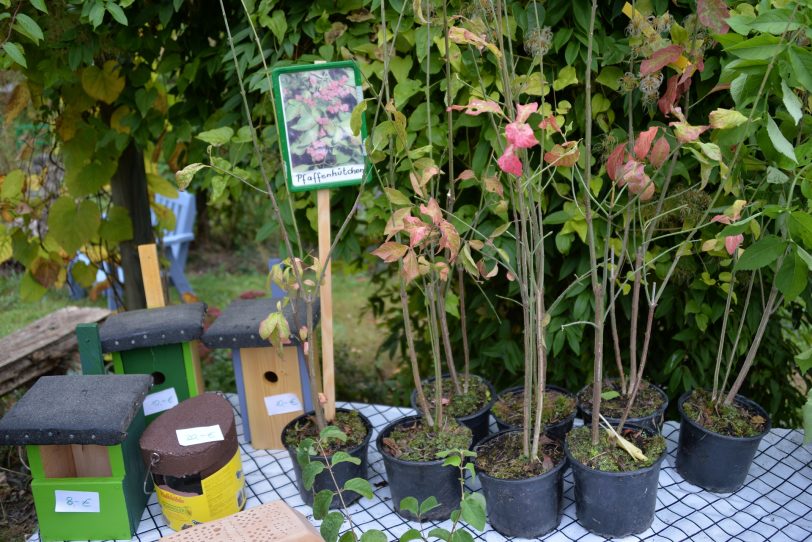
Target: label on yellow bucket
[{"x": 223, "y": 495}]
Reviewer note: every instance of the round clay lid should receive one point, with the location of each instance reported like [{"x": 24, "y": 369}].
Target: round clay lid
[{"x": 177, "y": 460}]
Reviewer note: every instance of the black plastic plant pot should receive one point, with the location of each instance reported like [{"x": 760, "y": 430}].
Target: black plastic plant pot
[
  {"x": 509, "y": 501},
  {"x": 653, "y": 421},
  {"x": 712, "y": 461},
  {"x": 420, "y": 479},
  {"x": 479, "y": 422},
  {"x": 557, "y": 430},
  {"x": 615, "y": 504},
  {"x": 342, "y": 472}
]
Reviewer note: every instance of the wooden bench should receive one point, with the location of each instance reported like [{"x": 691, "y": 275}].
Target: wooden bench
[{"x": 42, "y": 346}]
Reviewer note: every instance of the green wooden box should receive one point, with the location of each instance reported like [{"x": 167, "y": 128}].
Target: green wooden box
[
  {"x": 162, "y": 343},
  {"x": 81, "y": 434}
]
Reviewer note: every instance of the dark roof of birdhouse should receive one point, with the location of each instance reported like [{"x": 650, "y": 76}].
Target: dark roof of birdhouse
[
  {"x": 174, "y": 459},
  {"x": 238, "y": 325},
  {"x": 76, "y": 409},
  {"x": 152, "y": 327}
]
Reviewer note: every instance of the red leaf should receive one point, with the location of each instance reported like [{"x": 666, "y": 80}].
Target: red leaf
[
  {"x": 660, "y": 59},
  {"x": 643, "y": 143},
  {"x": 659, "y": 153},
  {"x": 614, "y": 165},
  {"x": 673, "y": 91},
  {"x": 712, "y": 13},
  {"x": 390, "y": 252},
  {"x": 432, "y": 210},
  {"x": 410, "y": 271}
]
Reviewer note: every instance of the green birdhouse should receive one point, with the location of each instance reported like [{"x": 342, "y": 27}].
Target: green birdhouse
[
  {"x": 160, "y": 342},
  {"x": 81, "y": 434}
]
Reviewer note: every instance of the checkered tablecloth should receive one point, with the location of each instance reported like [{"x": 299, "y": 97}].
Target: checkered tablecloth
[{"x": 775, "y": 503}]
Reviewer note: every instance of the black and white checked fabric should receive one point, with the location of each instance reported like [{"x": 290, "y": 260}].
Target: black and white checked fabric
[{"x": 774, "y": 505}]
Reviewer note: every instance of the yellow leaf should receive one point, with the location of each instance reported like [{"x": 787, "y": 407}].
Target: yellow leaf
[
  {"x": 5, "y": 246},
  {"x": 103, "y": 84},
  {"x": 116, "y": 118},
  {"x": 19, "y": 100}
]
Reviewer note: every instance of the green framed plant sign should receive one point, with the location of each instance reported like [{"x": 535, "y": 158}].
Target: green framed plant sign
[{"x": 314, "y": 105}]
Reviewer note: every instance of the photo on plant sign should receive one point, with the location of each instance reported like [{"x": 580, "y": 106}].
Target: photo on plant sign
[{"x": 314, "y": 110}]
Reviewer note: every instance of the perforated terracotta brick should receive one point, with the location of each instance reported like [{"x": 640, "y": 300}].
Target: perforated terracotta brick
[{"x": 272, "y": 522}]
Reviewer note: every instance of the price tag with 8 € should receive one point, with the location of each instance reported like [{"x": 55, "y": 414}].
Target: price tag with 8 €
[{"x": 77, "y": 501}]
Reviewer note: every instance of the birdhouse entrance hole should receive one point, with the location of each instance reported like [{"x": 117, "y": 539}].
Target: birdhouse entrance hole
[
  {"x": 271, "y": 377},
  {"x": 75, "y": 461},
  {"x": 158, "y": 378}
]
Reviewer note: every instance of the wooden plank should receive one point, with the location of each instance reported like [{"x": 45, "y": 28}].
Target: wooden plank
[
  {"x": 57, "y": 461},
  {"x": 326, "y": 294},
  {"x": 266, "y": 431},
  {"x": 91, "y": 461},
  {"x": 151, "y": 271},
  {"x": 42, "y": 346}
]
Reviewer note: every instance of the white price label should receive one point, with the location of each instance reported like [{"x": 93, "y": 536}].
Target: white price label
[
  {"x": 77, "y": 501},
  {"x": 282, "y": 404},
  {"x": 199, "y": 435},
  {"x": 160, "y": 401}
]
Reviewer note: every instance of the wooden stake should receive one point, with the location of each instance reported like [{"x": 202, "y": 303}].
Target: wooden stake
[
  {"x": 328, "y": 371},
  {"x": 151, "y": 271}
]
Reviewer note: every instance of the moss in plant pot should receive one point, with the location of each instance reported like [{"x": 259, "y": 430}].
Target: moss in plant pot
[
  {"x": 503, "y": 457},
  {"x": 648, "y": 400},
  {"x": 462, "y": 404},
  {"x": 730, "y": 420},
  {"x": 607, "y": 456},
  {"x": 418, "y": 442},
  {"x": 509, "y": 408},
  {"x": 350, "y": 423}
]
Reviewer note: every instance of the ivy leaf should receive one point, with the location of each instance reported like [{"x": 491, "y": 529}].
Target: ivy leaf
[
  {"x": 28, "y": 27},
  {"x": 473, "y": 510},
  {"x": 185, "y": 175},
  {"x": 792, "y": 278},
  {"x": 72, "y": 226},
  {"x": 216, "y": 137},
  {"x": 103, "y": 84},
  {"x": 761, "y": 254},
  {"x": 321, "y": 503},
  {"x": 356, "y": 117},
  {"x": 405, "y": 90},
  {"x": 792, "y": 103},
  {"x": 331, "y": 432},
  {"x": 15, "y": 52},
  {"x": 11, "y": 186},
  {"x": 610, "y": 77},
  {"x": 360, "y": 486},
  {"x": 566, "y": 77},
  {"x": 609, "y": 395},
  {"x": 117, "y": 226},
  {"x": 331, "y": 525},
  {"x": 117, "y": 13},
  {"x": 780, "y": 142}
]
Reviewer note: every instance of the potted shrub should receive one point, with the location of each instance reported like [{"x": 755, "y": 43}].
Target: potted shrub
[
  {"x": 762, "y": 248},
  {"x": 300, "y": 277}
]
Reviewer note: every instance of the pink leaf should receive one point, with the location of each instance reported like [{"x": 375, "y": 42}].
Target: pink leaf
[
  {"x": 390, "y": 252},
  {"x": 523, "y": 112},
  {"x": 660, "y": 59},
  {"x": 450, "y": 239},
  {"x": 643, "y": 143},
  {"x": 732, "y": 243},
  {"x": 685, "y": 132},
  {"x": 433, "y": 211},
  {"x": 520, "y": 135},
  {"x": 509, "y": 162},
  {"x": 712, "y": 13},
  {"x": 614, "y": 164},
  {"x": 659, "y": 153},
  {"x": 672, "y": 93},
  {"x": 477, "y": 106},
  {"x": 465, "y": 175},
  {"x": 721, "y": 218},
  {"x": 550, "y": 122},
  {"x": 410, "y": 270}
]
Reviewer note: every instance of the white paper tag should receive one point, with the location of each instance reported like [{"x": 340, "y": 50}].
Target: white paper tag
[
  {"x": 282, "y": 404},
  {"x": 77, "y": 501},
  {"x": 199, "y": 435},
  {"x": 160, "y": 401}
]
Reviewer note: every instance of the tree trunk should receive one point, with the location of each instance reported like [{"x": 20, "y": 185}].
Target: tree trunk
[{"x": 129, "y": 186}]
